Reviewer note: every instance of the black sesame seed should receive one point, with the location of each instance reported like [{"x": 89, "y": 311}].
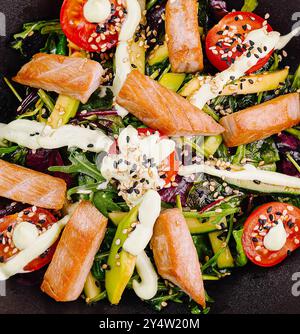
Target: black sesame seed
[
  {"x": 26, "y": 212},
  {"x": 254, "y": 239},
  {"x": 278, "y": 213},
  {"x": 290, "y": 224},
  {"x": 236, "y": 18},
  {"x": 232, "y": 77},
  {"x": 120, "y": 250},
  {"x": 257, "y": 181},
  {"x": 265, "y": 48},
  {"x": 271, "y": 217},
  {"x": 108, "y": 267},
  {"x": 251, "y": 43},
  {"x": 1, "y": 259},
  {"x": 256, "y": 56},
  {"x": 269, "y": 209},
  {"x": 143, "y": 180},
  {"x": 276, "y": 222},
  {"x": 90, "y": 145},
  {"x": 259, "y": 50},
  {"x": 137, "y": 191},
  {"x": 251, "y": 81},
  {"x": 219, "y": 44},
  {"x": 223, "y": 226},
  {"x": 133, "y": 66},
  {"x": 227, "y": 27},
  {"x": 9, "y": 228},
  {"x": 244, "y": 27},
  {"x": 115, "y": 165},
  {"x": 248, "y": 54},
  {"x": 42, "y": 221},
  {"x": 288, "y": 253},
  {"x": 220, "y": 32},
  {"x": 127, "y": 139},
  {"x": 130, "y": 191}
]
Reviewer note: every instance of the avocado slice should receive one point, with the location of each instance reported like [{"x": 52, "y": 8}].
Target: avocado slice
[
  {"x": 137, "y": 56},
  {"x": 245, "y": 85},
  {"x": 65, "y": 108},
  {"x": 158, "y": 55},
  {"x": 172, "y": 81},
  {"x": 120, "y": 263},
  {"x": 225, "y": 259}
]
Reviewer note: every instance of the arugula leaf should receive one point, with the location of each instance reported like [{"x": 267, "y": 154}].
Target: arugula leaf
[
  {"x": 104, "y": 201},
  {"x": 86, "y": 189},
  {"x": 241, "y": 258},
  {"x": 80, "y": 164},
  {"x": 249, "y": 5},
  {"x": 203, "y": 246},
  {"x": 296, "y": 79}
]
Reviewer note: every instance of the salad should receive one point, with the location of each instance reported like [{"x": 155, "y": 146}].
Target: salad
[{"x": 155, "y": 147}]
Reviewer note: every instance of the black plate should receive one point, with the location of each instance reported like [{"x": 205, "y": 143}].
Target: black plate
[{"x": 249, "y": 290}]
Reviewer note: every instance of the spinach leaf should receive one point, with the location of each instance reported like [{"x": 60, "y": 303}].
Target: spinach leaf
[
  {"x": 99, "y": 102},
  {"x": 203, "y": 246},
  {"x": 259, "y": 151},
  {"x": 241, "y": 258},
  {"x": 33, "y": 38},
  {"x": 105, "y": 201}
]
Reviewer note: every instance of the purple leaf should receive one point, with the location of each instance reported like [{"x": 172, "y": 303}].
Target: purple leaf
[
  {"x": 41, "y": 159},
  {"x": 168, "y": 195},
  {"x": 219, "y": 8}
]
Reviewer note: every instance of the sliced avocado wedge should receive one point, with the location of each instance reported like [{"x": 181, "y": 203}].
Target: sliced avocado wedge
[
  {"x": 65, "y": 108},
  {"x": 158, "y": 55},
  {"x": 245, "y": 85},
  {"x": 172, "y": 81},
  {"x": 120, "y": 263},
  {"x": 225, "y": 259}
]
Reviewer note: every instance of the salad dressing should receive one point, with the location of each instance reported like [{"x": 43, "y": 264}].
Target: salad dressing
[
  {"x": 97, "y": 11},
  {"x": 136, "y": 166},
  {"x": 40, "y": 245},
  {"x": 284, "y": 40},
  {"x": 276, "y": 237},
  {"x": 122, "y": 57},
  {"x": 35, "y": 135}
]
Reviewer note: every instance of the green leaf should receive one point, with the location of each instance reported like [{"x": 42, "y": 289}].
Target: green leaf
[
  {"x": 296, "y": 79},
  {"x": 241, "y": 258},
  {"x": 104, "y": 201},
  {"x": 99, "y": 102},
  {"x": 80, "y": 164},
  {"x": 87, "y": 189},
  {"x": 249, "y": 5},
  {"x": 7, "y": 150}
]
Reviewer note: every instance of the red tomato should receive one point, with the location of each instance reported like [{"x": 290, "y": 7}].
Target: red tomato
[
  {"x": 237, "y": 25},
  {"x": 257, "y": 225},
  {"x": 170, "y": 165},
  {"x": 88, "y": 36},
  {"x": 42, "y": 219}
]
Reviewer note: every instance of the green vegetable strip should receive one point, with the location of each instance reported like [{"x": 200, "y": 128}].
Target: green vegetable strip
[
  {"x": 249, "y": 5},
  {"x": 46, "y": 99},
  {"x": 213, "y": 259},
  {"x": 11, "y": 87}
]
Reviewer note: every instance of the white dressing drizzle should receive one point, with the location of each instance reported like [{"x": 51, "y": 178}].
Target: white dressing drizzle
[
  {"x": 149, "y": 211},
  {"x": 122, "y": 57},
  {"x": 35, "y": 135},
  {"x": 24, "y": 235},
  {"x": 247, "y": 174},
  {"x": 38, "y": 247},
  {"x": 284, "y": 40},
  {"x": 97, "y": 11},
  {"x": 276, "y": 237},
  {"x": 261, "y": 39},
  {"x": 147, "y": 288}
]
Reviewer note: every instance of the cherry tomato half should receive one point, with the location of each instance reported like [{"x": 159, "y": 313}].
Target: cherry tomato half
[
  {"x": 42, "y": 219},
  {"x": 89, "y": 36},
  {"x": 224, "y": 42},
  {"x": 257, "y": 226}
]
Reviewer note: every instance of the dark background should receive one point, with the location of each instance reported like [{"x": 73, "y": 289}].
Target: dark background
[{"x": 248, "y": 290}]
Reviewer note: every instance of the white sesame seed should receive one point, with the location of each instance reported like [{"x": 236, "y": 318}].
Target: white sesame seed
[
  {"x": 257, "y": 258},
  {"x": 118, "y": 241}
]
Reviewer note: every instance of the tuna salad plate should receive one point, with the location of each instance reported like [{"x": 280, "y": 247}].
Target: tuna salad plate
[{"x": 153, "y": 149}]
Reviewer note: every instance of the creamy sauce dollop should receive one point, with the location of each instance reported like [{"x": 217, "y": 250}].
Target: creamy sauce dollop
[
  {"x": 97, "y": 11},
  {"x": 276, "y": 237}
]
